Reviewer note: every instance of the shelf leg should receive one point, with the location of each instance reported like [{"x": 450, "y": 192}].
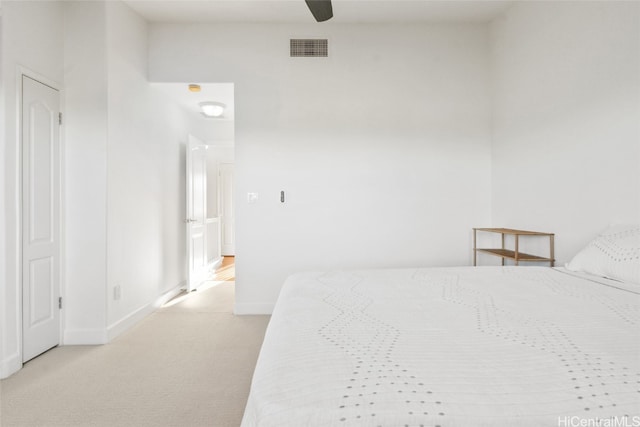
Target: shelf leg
[{"x": 474, "y": 247}]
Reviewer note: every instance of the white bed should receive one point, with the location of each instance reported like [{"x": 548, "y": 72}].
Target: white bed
[{"x": 465, "y": 346}]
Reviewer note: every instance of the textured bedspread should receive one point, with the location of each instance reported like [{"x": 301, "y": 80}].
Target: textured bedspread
[{"x": 484, "y": 346}]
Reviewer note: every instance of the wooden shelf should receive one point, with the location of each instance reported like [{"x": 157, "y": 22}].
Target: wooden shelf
[
  {"x": 507, "y": 253},
  {"x": 515, "y": 254},
  {"x": 514, "y": 232}
]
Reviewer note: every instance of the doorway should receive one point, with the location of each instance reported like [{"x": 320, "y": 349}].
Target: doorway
[
  {"x": 217, "y": 133},
  {"x": 40, "y": 122}
]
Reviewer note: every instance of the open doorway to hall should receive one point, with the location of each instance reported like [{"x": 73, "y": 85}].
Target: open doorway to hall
[{"x": 208, "y": 113}]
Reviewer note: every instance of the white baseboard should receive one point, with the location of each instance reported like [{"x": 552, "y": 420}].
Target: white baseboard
[
  {"x": 164, "y": 298},
  {"x": 13, "y": 363},
  {"x": 85, "y": 336},
  {"x": 260, "y": 308},
  {"x": 136, "y": 316},
  {"x": 129, "y": 321},
  {"x": 215, "y": 263},
  {"x": 10, "y": 365},
  {"x": 103, "y": 336}
]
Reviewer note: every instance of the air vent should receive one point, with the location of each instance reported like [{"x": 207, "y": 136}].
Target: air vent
[{"x": 309, "y": 47}]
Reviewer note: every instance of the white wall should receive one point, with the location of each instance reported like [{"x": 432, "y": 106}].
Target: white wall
[
  {"x": 146, "y": 241},
  {"x": 32, "y": 38},
  {"x": 566, "y": 114},
  {"x": 86, "y": 162},
  {"x": 125, "y": 167},
  {"x": 383, "y": 148},
  {"x": 123, "y": 171}
]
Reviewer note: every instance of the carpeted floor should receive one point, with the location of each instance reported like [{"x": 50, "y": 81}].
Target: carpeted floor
[{"x": 188, "y": 364}]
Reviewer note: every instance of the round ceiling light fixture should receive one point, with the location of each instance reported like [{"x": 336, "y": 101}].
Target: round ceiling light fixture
[
  {"x": 194, "y": 88},
  {"x": 212, "y": 109}
]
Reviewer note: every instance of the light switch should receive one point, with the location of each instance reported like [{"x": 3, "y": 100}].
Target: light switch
[{"x": 252, "y": 197}]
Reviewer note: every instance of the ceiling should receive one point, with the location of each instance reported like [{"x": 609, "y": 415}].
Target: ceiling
[
  {"x": 218, "y": 131},
  {"x": 296, "y": 12},
  {"x": 216, "y": 92}
]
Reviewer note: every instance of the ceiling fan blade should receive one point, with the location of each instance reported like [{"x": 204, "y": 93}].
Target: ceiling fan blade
[{"x": 320, "y": 9}]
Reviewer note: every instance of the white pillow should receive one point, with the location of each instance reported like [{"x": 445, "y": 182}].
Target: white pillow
[{"x": 614, "y": 254}]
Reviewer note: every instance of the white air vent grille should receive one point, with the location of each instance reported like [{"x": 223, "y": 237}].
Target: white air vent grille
[{"x": 309, "y": 48}]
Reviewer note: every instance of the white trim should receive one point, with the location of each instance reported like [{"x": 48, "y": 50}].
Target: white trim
[
  {"x": 220, "y": 194},
  {"x": 253, "y": 308},
  {"x": 21, "y": 72},
  {"x": 164, "y": 298},
  {"x": 215, "y": 263},
  {"x": 62, "y": 218},
  {"x": 129, "y": 321},
  {"x": 10, "y": 365},
  {"x": 85, "y": 336},
  {"x": 103, "y": 336},
  {"x": 136, "y": 316},
  {"x": 5, "y": 365}
]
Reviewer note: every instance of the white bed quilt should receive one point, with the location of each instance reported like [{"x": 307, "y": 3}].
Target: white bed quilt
[{"x": 483, "y": 346}]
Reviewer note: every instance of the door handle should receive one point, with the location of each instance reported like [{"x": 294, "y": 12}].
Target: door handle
[{"x": 188, "y": 220}]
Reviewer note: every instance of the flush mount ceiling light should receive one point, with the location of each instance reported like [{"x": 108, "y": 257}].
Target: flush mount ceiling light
[
  {"x": 212, "y": 109},
  {"x": 194, "y": 88}
]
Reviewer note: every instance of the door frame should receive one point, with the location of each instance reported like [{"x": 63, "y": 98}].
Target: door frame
[
  {"x": 221, "y": 194},
  {"x": 26, "y": 72}
]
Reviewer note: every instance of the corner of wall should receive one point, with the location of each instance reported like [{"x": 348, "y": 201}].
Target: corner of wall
[{"x": 10, "y": 365}]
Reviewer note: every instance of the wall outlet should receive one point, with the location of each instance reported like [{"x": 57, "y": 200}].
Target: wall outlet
[{"x": 116, "y": 292}]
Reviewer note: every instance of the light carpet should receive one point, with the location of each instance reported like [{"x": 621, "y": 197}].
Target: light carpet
[{"x": 188, "y": 364}]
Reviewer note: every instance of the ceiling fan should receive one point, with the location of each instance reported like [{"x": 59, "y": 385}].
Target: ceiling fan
[{"x": 320, "y": 9}]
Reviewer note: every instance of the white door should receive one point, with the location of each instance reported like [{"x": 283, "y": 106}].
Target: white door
[
  {"x": 40, "y": 218},
  {"x": 227, "y": 222},
  {"x": 196, "y": 212}
]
